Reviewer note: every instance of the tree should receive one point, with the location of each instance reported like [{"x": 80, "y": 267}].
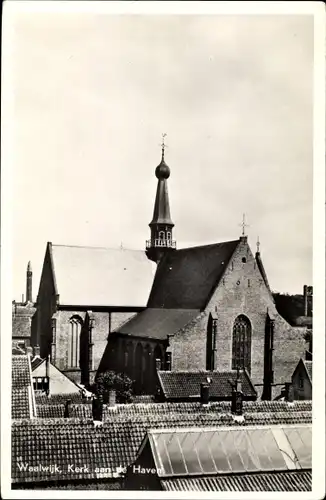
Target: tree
[{"x": 122, "y": 384}]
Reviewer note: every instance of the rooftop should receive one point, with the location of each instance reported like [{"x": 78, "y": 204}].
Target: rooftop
[
  {"x": 22, "y": 395},
  {"x": 82, "y": 275},
  {"x": 186, "y": 384},
  {"x": 186, "y": 278},
  {"x": 117, "y": 441}
]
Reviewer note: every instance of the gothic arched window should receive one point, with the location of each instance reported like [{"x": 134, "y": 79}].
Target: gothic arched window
[
  {"x": 74, "y": 342},
  {"x": 241, "y": 343}
]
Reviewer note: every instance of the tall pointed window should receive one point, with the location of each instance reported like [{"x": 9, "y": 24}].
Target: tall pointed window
[
  {"x": 74, "y": 342},
  {"x": 241, "y": 343}
]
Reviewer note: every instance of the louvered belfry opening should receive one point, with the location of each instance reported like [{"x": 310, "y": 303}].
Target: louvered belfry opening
[{"x": 241, "y": 344}]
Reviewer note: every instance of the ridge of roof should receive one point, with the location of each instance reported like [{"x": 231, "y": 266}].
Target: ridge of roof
[
  {"x": 206, "y": 245},
  {"x": 98, "y": 248}
]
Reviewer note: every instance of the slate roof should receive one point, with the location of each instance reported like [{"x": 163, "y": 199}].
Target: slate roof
[
  {"x": 280, "y": 481},
  {"x": 89, "y": 276},
  {"x": 116, "y": 443},
  {"x": 186, "y": 384},
  {"x": 186, "y": 278},
  {"x": 157, "y": 323},
  {"x": 22, "y": 394}
]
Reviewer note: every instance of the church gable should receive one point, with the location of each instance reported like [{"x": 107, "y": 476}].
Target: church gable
[{"x": 235, "y": 324}]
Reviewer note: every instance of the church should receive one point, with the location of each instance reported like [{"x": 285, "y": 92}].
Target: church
[
  {"x": 201, "y": 308},
  {"x": 210, "y": 308}
]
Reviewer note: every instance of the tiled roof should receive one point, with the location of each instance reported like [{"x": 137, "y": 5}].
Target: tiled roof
[
  {"x": 186, "y": 384},
  {"x": 308, "y": 365},
  {"x": 63, "y": 442},
  {"x": 262, "y": 411},
  {"x": 125, "y": 427},
  {"x": 186, "y": 278},
  {"x": 20, "y": 372},
  {"x": 22, "y": 394},
  {"x": 82, "y": 275},
  {"x": 280, "y": 481},
  {"x": 57, "y": 399},
  {"x": 158, "y": 323}
]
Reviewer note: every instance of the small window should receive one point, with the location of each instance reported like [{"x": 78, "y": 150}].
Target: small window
[
  {"x": 41, "y": 384},
  {"x": 244, "y": 259},
  {"x": 248, "y": 283},
  {"x": 161, "y": 235},
  {"x": 301, "y": 382},
  {"x": 168, "y": 235}
]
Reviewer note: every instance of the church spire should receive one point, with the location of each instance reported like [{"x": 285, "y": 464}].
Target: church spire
[{"x": 161, "y": 224}]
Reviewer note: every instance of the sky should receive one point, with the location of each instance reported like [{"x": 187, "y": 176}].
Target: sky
[{"x": 92, "y": 95}]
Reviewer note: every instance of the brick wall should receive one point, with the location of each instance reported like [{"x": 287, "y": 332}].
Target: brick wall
[{"x": 241, "y": 291}]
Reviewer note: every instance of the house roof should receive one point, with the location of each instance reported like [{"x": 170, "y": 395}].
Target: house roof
[
  {"x": 186, "y": 384},
  {"x": 22, "y": 319},
  {"x": 157, "y": 323},
  {"x": 117, "y": 441},
  {"x": 89, "y": 276},
  {"x": 22, "y": 395},
  {"x": 186, "y": 278},
  {"x": 280, "y": 481},
  {"x": 308, "y": 365}
]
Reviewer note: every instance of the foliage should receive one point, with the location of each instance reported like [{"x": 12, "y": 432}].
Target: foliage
[{"x": 112, "y": 380}]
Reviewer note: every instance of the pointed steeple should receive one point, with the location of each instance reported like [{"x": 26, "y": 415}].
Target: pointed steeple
[{"x": 161, "y": 224}]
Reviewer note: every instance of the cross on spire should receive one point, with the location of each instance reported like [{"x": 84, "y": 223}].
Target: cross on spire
[
  {"x": 258, "y": 244},
  {"x": 163, "y": 145},
  {"x": 243, "y": 224}
]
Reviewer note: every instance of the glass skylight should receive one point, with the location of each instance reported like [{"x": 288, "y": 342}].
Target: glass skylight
[{"x": 232, "y": 450}]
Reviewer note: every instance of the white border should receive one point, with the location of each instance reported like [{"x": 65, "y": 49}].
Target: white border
[{"x": 316, "y": 9}]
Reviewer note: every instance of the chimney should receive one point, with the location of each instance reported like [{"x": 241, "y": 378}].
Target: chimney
[
  {"x": 289, "y": 395},
  {"x": 237, "y": 397},
  {"x": 158, "y": 364},
  {"x": 204, "y": 393},
  {"x": 97, "y": 409},
  {"x": 67, "y": 413},
  {"x": 29, "y": 351},
  {"x": 112, "y": 398},
  {"x": 36, "y": 351},
  {"x": 168, "y": 358},
  {"x": 29, "y": 278}
]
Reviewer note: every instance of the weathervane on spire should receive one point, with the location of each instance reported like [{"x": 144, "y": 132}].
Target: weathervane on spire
[
  {"x": 258, "y": 244},
  {"x": 163, "y": 145},
  {"x": 243, "y": 224}
]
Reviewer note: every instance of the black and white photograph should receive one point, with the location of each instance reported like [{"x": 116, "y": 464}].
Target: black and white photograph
[{"x": 163, "y": 255}]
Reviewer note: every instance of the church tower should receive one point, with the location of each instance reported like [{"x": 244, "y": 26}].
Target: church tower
[
  {"x": 161, "y": 225},
  {"x": 29, "y": 278}
]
